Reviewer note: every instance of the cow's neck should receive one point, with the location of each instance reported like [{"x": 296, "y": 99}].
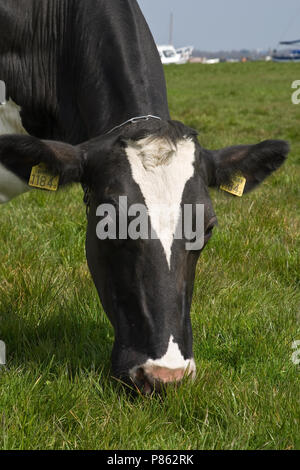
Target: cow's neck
[{"x": 117, "y": 68}]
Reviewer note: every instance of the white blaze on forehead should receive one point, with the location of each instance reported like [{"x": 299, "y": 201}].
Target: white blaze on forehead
[
  {"x": 10, "y": 123},
  {"x": 162, "y": 170}
]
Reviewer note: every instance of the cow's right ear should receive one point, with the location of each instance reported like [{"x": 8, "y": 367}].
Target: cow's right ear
[
  {"x": 19, "y": 153},
  {"x": 254, "y": 162}
]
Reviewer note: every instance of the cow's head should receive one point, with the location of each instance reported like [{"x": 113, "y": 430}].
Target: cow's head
[{"x": 145, "y": 283}]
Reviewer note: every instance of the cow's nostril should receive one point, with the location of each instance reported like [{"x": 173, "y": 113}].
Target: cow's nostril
[
  {"x": 165, "y": 375},
  {"x": 149, "y": 379},
  {"x": 142, "y": 382}
]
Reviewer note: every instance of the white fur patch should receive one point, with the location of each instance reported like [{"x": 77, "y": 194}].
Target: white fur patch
[
  {"x": 10, "y": 123},
  {"x": 162, "y": 170},
  {"x": 172, "y": 359}
]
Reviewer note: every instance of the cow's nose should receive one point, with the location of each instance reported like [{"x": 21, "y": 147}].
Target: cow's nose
[{"x": 153, "y": 378}]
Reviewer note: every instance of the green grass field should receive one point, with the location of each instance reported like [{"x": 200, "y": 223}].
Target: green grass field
[{"x": 56, "y": 391}]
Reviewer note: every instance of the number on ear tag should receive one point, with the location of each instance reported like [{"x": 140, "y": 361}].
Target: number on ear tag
[
  {"x": 42, "y": 179},
  {"x": 236, "y": 187}
]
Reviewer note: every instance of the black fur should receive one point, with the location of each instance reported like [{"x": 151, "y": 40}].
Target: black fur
[
  {"x": 254, "y": 162},
  {"x": 77, "y": 68},
  {"x": 19, "y": 153}
]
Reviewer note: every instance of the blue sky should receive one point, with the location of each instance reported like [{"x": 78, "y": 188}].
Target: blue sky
[{"x": 224, "y": 24}]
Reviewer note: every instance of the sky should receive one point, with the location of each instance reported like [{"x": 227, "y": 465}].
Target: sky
[{"x": 214, "y": 25}]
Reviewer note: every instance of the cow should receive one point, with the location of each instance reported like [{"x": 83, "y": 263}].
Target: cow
[{"x": 86, "y": 97}]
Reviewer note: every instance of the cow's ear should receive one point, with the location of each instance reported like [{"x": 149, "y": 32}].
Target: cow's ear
[
  {"x": 254, "y": 162},
  {"x": 20, "y": 153}
]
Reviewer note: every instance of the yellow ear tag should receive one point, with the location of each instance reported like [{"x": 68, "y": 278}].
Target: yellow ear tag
[
  {"x": 236, "y": 187},
  {"x": 42, "y": 179}
]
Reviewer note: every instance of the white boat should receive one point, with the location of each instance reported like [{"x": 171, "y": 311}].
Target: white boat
[
  {"x": 168, "y": 55},
  {"x": 287, "y": 55},
  {"x": 185, "y": 52}
]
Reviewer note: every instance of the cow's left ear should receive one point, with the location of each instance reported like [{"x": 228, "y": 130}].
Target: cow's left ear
[
  {"x": 254, "y": 162},
  {"x": 19, "y": 153}
]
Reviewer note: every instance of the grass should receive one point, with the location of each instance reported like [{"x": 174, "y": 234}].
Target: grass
[{"x": 56, "y": 391}]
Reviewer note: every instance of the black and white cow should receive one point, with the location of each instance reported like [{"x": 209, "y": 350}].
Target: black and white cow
[{"x": 79, "y": 70}]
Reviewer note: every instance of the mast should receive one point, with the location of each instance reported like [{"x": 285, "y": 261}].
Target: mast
[{"x": 171, "y": 29}]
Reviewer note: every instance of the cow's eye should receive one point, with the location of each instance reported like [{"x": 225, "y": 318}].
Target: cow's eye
[
  {"x": 208, "y": 234},
  {"x": 209, "y": 228}
]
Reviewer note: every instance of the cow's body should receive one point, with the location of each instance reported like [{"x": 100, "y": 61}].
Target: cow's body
[{"x": 79, "y": 69}]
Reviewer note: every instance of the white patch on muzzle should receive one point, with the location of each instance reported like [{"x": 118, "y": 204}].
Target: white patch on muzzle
[
  {"x": 162, "y": 170},
  {"x": 10, "y": 123},
  {"x": 172, "y": 359}
]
